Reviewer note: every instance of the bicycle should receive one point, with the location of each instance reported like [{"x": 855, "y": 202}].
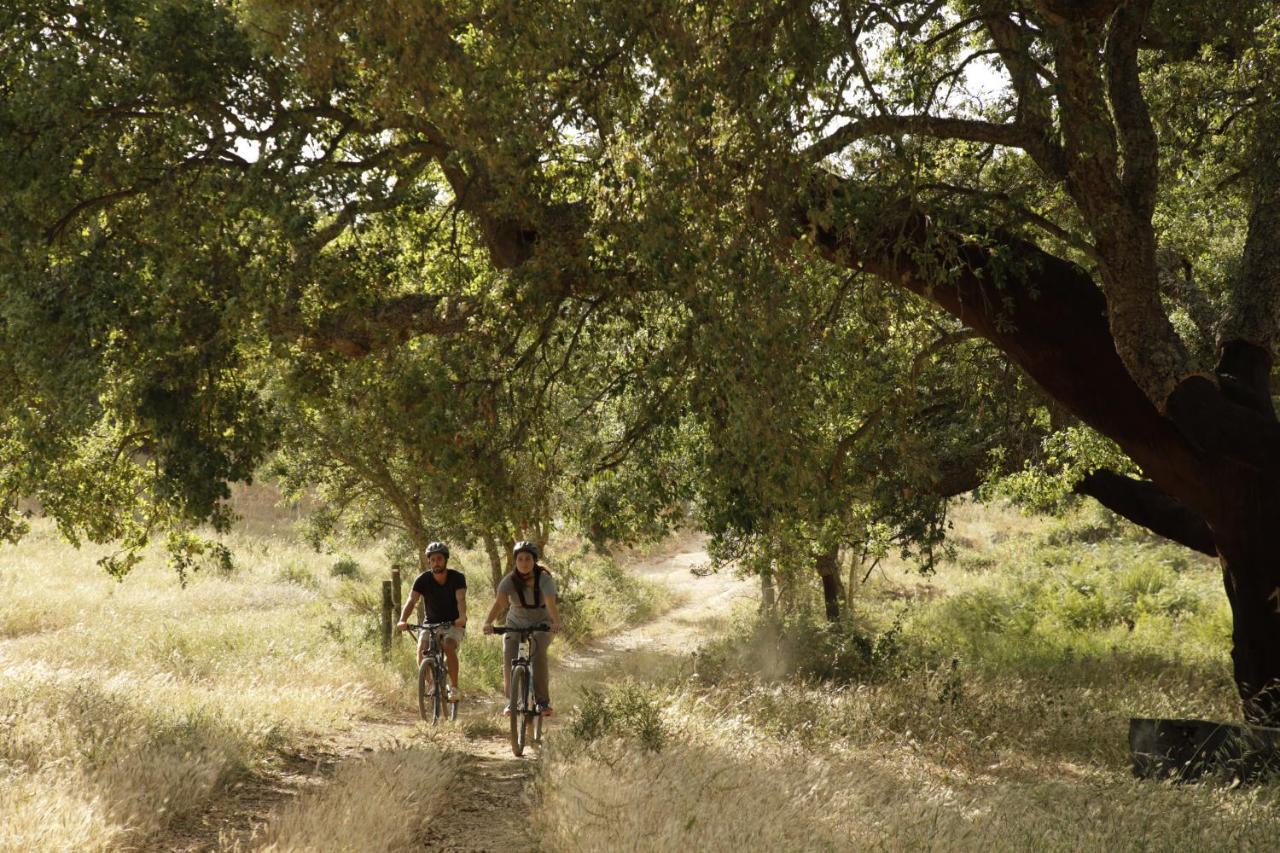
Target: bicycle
[
  {"x": 523, "y": 707},
  {"x": 433, "y": 675}
]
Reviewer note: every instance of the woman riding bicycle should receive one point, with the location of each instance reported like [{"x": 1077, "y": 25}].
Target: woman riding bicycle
[{"x": 529, "y": 596}]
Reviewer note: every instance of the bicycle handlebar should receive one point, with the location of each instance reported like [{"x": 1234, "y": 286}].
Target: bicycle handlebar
[
  {"x": 503, "y": 630},
  {"x": 429, "y": 626}
]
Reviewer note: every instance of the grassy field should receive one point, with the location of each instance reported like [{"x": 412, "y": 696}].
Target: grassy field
[
  {"x": 985, "y": 706},
  {"x": 128, "y": 708}
]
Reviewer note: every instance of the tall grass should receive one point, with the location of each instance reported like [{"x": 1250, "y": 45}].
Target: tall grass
[
  {"x": 720, "y": 784},
  {"x": 985, "y": 706},
  {"x": 383, "y": 802},
  {"x": 128, "y": 706}
]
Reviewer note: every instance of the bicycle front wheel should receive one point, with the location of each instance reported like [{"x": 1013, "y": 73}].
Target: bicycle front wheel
[
  {"x": 519, "y": 701},
  {"x": 437, "y": 698},
  {"x": 427, "y": 689}
]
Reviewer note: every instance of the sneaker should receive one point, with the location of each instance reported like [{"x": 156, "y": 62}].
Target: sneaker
[
  {"x": 544, "y": 708},
  {"x": 506, "y": 712},
  {"x": 452, "y": 694}
]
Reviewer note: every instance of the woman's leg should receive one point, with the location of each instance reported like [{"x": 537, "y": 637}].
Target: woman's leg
[
  {"x": 509, "y": 645},
  {"x": 541, "y": 677}
]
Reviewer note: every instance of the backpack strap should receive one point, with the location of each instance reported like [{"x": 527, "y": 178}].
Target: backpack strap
[{"x": 537, "y": 587}]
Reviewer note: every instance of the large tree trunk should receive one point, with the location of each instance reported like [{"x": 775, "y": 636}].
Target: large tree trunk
[
  {"x": 768, "y": 596},
  {"x": 495, "y": 559},
  {"x": 1251, "y": 573},
  {"x": 418, "y": 535},
  {"x": 828, "y": 568},
  {"x": 1211, "y": 453}
]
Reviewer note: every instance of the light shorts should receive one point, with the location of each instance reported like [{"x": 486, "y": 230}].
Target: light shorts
[{"x": 453, "y": 632}]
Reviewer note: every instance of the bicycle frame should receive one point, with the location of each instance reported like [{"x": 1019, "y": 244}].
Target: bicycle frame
[
  {"x": 521, "y": 676},
  {"x": 433, "y": 663}
]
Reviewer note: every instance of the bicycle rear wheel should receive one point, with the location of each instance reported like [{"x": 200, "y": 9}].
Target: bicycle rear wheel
[{"x": 519, "y": 701}]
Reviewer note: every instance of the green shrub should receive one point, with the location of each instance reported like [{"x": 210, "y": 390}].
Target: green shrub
[
  {"x": 804, "y": 645},
  {"x": 841, "y": 652},
  {"x": 1054, "y": 602},
  {"x": 992, "y": 609},
  {"x": 1085, "y": 527},
  {"x": 976, "y": 563},
  {"x": 346, "y": 568},
  {"x": 626, "y": 710},
  {"x": 297, "y": 574},
  {"x": 596, "y": 595}
]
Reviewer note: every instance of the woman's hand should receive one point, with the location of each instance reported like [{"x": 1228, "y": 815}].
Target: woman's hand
[{"x": 488, "y": 627}]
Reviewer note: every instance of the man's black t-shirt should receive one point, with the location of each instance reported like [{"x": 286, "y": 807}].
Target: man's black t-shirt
[{"x": 441, "y": 598}]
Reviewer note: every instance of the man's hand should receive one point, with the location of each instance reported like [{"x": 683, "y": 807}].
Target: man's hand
[
  {"x": 459, "y": 623},
  {"x": 402, "y": 626},
  {"x": 488, "y": 627},
  {"x": 555, "y": 627}
]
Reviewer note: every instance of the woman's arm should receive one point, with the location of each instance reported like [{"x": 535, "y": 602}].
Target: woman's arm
[
  {"x": 554, "y": 611},
  {"x": 499, "y": 604}
]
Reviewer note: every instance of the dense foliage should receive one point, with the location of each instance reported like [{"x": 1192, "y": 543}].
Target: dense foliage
[{"x": 475, "y": 267}]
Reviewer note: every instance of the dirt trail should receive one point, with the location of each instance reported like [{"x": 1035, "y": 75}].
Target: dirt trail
[
  {"x": 493, "y": 780},
  {"x": 699, "y": 602},
  {"x": 484, "y": 811}
]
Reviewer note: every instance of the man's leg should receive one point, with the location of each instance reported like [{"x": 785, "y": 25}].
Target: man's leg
[{"x": 451, "y": 660}]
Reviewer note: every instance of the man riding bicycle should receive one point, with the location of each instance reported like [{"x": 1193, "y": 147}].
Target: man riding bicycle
[
  {"x": 529, "y": 596},
  {"x": 444, "y": 591}
]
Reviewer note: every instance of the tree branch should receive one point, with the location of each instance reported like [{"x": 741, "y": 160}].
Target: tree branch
[
  {"x": 1022, "y": 211},
  {"x": 1045, "y": 313},
  {"x": 1218, "y": 426},
  {"x": 1076, "y": 11},
  {"x": 936, "y": 127},
  {"x": 1128, "y": 106},
  {"x": 1143, "y": 503},
  {"x": 362, "y": 330}
]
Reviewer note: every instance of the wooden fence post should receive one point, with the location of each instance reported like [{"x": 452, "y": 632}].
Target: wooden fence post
[
  {"x": 396, "y": 590},
  {"x": 386, "y": 618}
]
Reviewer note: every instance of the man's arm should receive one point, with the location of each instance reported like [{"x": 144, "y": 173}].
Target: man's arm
[
  {"x": 408, "y": 609},
  {"x": 461, "y": 595},
  {"x": 499, "y": 604}
]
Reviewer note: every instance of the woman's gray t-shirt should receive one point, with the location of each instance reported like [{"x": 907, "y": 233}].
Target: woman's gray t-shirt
[{"x": 519, "y": 616}]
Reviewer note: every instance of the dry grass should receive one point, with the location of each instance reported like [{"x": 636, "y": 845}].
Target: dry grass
[
  {"x": 985, "y": 707},
  {"x": 721, "y": 783},
  {"x": 383, "y": 802},
  {"x": 127, "y": 706}
]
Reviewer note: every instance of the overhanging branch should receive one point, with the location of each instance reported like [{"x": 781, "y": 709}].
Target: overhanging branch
[
  {"x": 1047, "y": 314},
  {"x": 936, "y": 127},
  {"x": 362, "y": 330},
  {"x": 1143, "y": 503}
]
